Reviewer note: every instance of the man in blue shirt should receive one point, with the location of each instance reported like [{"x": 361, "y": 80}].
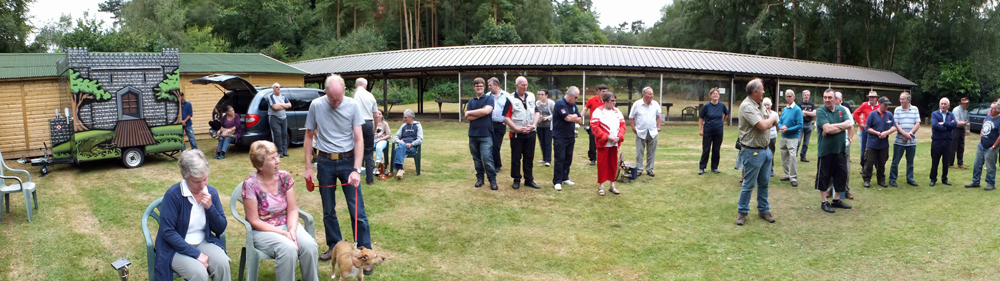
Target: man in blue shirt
[
  {"x": 186, "y": 113},
  {"x": 499, "y": 128},
  {"x": 478, "y": 113},
  {"x": 879, "y": 125},
  {"x": 942, "y": 124},
  {"x": 791, "y": 125},
  {"x": 986, "y": 150},
  {"x": 565, "y": 118}
]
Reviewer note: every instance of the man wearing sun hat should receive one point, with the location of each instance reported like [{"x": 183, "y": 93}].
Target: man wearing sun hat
[
  {"x": 860, "y": 116},
  {"x": 880, "y": 124}
]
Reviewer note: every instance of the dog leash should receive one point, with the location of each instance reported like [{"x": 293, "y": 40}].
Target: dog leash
[{"x": 310, "y": 186}]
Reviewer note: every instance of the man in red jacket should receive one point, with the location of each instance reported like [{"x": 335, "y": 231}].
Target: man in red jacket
[{"x": 861, "y": 115}]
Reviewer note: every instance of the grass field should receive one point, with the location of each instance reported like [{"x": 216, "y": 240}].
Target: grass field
[{"x": 436, "y": 226}]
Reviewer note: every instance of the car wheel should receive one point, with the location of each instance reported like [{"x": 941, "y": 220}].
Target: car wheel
[{"x": 133, "y": 158}]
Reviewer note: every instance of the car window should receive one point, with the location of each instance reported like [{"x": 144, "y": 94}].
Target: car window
[
  {"x": 301, "y": 99},
  {"x": 239, "y": 100},
  {"x": 979, "y": 110}
]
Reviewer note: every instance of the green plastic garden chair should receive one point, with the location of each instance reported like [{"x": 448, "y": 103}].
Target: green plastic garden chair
[
  {"x": 250, "y": 256},
  {"x": 22, "y": 186},
  {"x": 154, "y": 211}
]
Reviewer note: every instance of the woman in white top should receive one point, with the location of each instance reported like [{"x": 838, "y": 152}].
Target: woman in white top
[
  {"x": 608, "y": 125},
  {"x": 774, "y": 130}
]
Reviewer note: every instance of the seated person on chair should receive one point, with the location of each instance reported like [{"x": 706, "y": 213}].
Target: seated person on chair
[
  {"x": 271, "y": 208},
  {"x": 409, "y": 136},
  {"x": 382, "y": 135},
  {"x": 191, "y": 221},
  {"x": 230, "y": 133}
]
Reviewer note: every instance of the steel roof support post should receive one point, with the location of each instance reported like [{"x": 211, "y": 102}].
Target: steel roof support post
[
  {"x": 665, "y": 116},
  {"x": 732, "y": 94},
  {"x": 420, "y": 94},
  {"x": 630, "y": 90},
  {"x": 777, "y": 88},
  {"x": 460, "y": 111},
  {"x": 385, "y": 94}
]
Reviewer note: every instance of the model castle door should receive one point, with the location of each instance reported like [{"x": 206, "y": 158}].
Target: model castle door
[{"x": 129, "y": 104}]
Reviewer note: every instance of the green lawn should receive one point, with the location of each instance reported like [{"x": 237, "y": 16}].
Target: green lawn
[{"x": 436, "y": 226}]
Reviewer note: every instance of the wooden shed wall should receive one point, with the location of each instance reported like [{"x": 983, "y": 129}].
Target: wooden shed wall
[{"x": 25, "y": 112}]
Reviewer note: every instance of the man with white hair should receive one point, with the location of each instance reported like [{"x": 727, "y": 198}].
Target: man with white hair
[
  {"x": 791, "y": 125},
  {"x": 907, "y": 123},
  {"x": 334, "y": 121},
  {"x": 276, "y": 119},
  {"x": 645, "y": 120},
  {"x": 986, "y": 150},
  {"x": 368, "y": 105},
  {"x": 407, "y": 138},
  {"x": 565, "y": 118},
  {"x": 942, "y": 124},
  {"x": 521, "y": 116}
]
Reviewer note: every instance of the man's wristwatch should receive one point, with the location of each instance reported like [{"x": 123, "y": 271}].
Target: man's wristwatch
[{"x": 357, "y": 170}]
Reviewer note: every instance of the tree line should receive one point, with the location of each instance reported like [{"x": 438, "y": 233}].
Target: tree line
[{"x": 950, "y": 48}]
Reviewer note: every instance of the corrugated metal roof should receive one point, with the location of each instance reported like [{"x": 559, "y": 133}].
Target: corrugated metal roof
[
  {"x": 589, "y": 57},
  {"x": 28, "y": 65},
  {"x": 234, "y": 63}
]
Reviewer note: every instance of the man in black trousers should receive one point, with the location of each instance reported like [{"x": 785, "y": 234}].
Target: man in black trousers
[
  {"x": 499, "y": 128},
  {"x": 522, "y": 117},
  {"x": 942, "y": 124},
  {"x": 565, "y": 117}
]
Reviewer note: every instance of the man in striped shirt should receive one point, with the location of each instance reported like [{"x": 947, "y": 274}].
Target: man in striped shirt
[{"x": 907, "y": 123}]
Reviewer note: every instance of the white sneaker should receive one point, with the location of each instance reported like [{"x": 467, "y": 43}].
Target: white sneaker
[
  {"x": 547, "y": 164},
  {"x": 541, "y": 161},
  {"x": 568, "y": 182},
  {"x": 558, "y": 187}
]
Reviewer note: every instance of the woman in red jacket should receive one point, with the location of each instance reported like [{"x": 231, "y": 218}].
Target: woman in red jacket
[{"x": 608, "y": 125}]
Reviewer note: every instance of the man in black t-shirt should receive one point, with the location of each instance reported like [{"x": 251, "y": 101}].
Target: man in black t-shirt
[{"x": 808, "y": 114}]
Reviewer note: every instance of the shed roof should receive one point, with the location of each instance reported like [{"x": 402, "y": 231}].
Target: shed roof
[
  {"x": 30, "y": 65},
  {"x": 593, "y": 57}
]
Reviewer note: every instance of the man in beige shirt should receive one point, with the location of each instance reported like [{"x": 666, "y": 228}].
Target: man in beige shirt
[{"x": 755, "y": 126}]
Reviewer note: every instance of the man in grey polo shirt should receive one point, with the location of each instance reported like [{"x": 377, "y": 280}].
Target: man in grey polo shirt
[
  {"x": 276, "y": 119},
  {"x": 366, "y": 101},
  {"x": 335, "y": 122},
  {"x": 755, "y": 127}
]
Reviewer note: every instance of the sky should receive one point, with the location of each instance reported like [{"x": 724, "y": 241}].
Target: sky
[{"x": 612, "y": 12}]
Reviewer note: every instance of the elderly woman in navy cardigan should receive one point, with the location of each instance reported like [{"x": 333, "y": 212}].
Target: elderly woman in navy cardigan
[{"x": 191, "y": 220}]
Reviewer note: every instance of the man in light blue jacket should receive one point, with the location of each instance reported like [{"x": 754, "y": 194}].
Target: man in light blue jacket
[{"x": 791, "y": 125}]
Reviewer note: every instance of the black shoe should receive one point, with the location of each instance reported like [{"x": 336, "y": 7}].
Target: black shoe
[
  {"x": 972, "y": 185},
  {"x": 701, "y": 172},
  {"x": 785, "y": 179},
  {"x": 592, "y": 162},
  {"x": 795, "y": 184},
  {"x": 989, "y": 187},
  {"x": 516, "y": 185},
  {"x": 840, "y": 204},
  {"x": 327, "y": 255},
  {"x": 892, "y": 183},
  {"x": 716, "y": 171},
  {"x": 932, "y": 183},
  {"x": 868, "y": 184},
  {"x": 479, "y": 183},
  {"x": 532, "y": 184},
  {"x": 804, "y": 160},
  {"x": 826, "y": 207},
  {"x": 882, "y": 184},
  {"x": 913, "y": 183},
  {"x": 945, "y": 182},
  {"x": 493, "y": 185}
]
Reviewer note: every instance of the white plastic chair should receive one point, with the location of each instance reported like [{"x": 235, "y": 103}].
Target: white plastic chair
[{"x": 23, "y": 186}]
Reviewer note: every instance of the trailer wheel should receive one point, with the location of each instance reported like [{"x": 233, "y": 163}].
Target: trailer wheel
[
  {"x": 45, "y": 170},
  {"x": 133, "y": 158}
]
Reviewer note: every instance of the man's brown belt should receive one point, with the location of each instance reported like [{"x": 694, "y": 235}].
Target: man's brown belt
[{"x": 335, "y": 156}]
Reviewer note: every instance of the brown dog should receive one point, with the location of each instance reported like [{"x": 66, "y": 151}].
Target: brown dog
[{"x": 351, "y": 261}]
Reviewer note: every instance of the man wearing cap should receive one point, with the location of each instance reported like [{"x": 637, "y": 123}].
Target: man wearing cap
[
  {"x": 880, "y": 125},
  {"x": 961, "y": 113},
  {"x": 860, "y": 116},
  {"x": 986, "y": 150},
  {"x": 942, "y": 124}
]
